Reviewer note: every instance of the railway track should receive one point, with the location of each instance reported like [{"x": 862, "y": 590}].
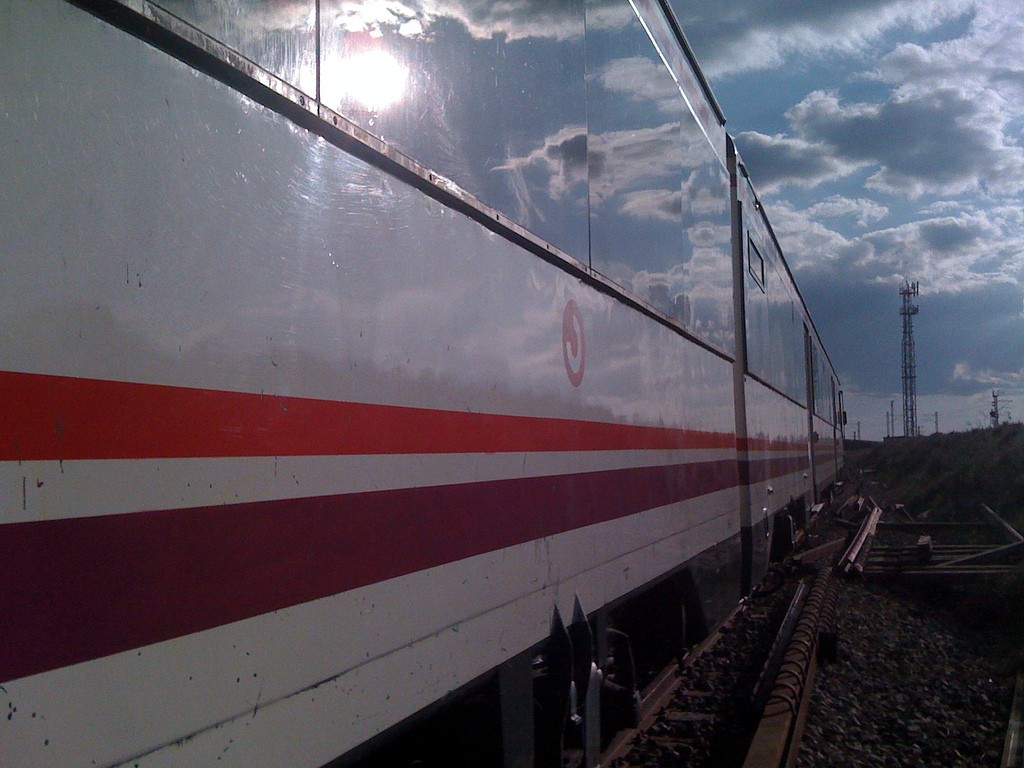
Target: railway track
[
  {"x": 700, "y": 713},
  {"x": 909, "y": 690}
]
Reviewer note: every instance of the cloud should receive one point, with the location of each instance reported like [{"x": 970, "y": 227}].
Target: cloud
[
  {"x": 951, "y": 235},
  {"x": 989, "y": 56},
  {"x": 747, "y": 36},
  {"x": 777, "y": 161},
  {"x": 949, "y": 125},
  {"x": 988, "y": 377},
  {"x": 861, "y": 210},
  {"x": 939, "y": 141},
  {"x": 947, "y": 254}
]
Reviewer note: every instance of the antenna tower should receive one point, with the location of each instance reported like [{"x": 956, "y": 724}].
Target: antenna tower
[
  {"x": 994, "y": 413},
  {"x": 908, "y": 310}
]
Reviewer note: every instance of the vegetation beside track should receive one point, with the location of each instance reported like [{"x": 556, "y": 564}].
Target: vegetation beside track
[{"x": 950, "y": 473}]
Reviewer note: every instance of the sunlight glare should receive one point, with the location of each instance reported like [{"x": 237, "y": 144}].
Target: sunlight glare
[{"x": 372, "y": 78}]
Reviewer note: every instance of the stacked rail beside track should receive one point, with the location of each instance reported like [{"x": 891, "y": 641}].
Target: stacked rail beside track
[{"x": 928, "y": 559}]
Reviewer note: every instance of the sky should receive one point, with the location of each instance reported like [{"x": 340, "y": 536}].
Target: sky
[{"x": 886, "y": 139}]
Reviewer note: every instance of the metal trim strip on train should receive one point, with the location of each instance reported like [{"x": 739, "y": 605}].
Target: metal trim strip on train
[{"x": 325, "y": 406}]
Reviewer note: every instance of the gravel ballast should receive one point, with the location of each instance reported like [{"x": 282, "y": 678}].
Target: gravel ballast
[{"x": 912, "y": 688}]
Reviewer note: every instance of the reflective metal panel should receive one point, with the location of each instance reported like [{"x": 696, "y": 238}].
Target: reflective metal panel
[
  {"x": 659, "y": 197},
  {"x": 774, "y": 312},
  {"x": 636, "y": 162},
  {"x": 706, "y": 253},
  {"x": 491, "y": 99},
  {"x": 774, "y": 326},
  {"x": 689, "y": 82},
  {"x": 277, "y": 35}
]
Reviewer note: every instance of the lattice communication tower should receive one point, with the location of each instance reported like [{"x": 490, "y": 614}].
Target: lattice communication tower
[{"x": 908, "y": 310}]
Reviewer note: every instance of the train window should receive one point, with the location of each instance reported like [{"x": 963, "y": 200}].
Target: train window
[
  {"x": 635, "y": 153},
  {"x": 279, "y": 37},
  {"x": 822, "y": 383},
  {"x": 659, "y": 197},
  {"x": 774, "y": 323},
  {"x": 493, "y": 101},
  {"x": 755, "y": 264},
  {"x": 795, "y": 363}
]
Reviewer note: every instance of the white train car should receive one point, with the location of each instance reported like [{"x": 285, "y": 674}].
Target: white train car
[
  {"x": 789, "y": 411},
  {"x": 349, "y": 348}
]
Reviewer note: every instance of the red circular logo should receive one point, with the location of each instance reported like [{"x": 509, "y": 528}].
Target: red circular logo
[{"x": 574, "y": 344}]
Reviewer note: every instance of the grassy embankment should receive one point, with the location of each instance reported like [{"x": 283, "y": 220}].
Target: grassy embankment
[{"x": 953, "y": 473}]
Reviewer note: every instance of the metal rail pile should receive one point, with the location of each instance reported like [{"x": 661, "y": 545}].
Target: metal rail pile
[
  {"x": 852, "y": 560},
  {"x": 929, "y": 559}
]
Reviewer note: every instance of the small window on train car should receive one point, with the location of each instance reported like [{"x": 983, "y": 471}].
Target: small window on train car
[{"x": 755, "y": 264}]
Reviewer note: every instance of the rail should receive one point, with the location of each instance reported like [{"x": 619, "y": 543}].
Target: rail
[
  {"x": 851, "y": 562},
  {"x": 1013, "y": 749},
  {"x": 776, "y": 742}
]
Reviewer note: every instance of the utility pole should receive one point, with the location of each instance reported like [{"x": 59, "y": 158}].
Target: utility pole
[
  {"x": 936, "y": 422},
  {"x": 887, "y": 424},
  {"x": 892, "y": 416},
  {"x": 908, "y": 310}
]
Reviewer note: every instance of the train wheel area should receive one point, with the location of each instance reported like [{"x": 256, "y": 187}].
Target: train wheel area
[
  {"x": 578, "y": 698},
  {"x": 555, "y": 706}
]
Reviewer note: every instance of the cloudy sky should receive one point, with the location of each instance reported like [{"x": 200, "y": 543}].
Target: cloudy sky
[{"x": 886, "y": 138}]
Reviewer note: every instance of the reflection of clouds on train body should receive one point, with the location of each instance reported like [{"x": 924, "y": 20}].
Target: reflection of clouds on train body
[
  {"x": 255, "y": 16},
  {"x": 683, "y": 386},
  {"x": 640, "y": 78},
  {"x": 562, "y": 155},
  {"x": 467, "y": 90},
  {"x": 524, "y": 19},
  {"x": 515, "y": 20},
  {"x": 704, "y": 194},
  {"x": 620, "y": 167},
  {"x": 629, "y": 159},
  {"x": 474, "y": 109},
  {"x": 664, "y": 204},
  {"x": 613, "y": 162},
  {"x": 618, "y": 163}
]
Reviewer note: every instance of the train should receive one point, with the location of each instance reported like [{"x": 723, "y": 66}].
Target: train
[{"x": 372, "y": 365}]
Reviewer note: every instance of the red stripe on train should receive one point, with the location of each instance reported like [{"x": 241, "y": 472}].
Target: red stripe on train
[{"x": 58, "y": 417}]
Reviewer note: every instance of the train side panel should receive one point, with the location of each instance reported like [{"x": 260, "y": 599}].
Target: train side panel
[
  {"x": 773, "y": 423},
  {"x": 311, "y": 479}
]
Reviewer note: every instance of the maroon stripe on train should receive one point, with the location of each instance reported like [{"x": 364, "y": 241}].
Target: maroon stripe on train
[
  {"x": 78, "y": 589},
  {"x": 759, "y": 470}
]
